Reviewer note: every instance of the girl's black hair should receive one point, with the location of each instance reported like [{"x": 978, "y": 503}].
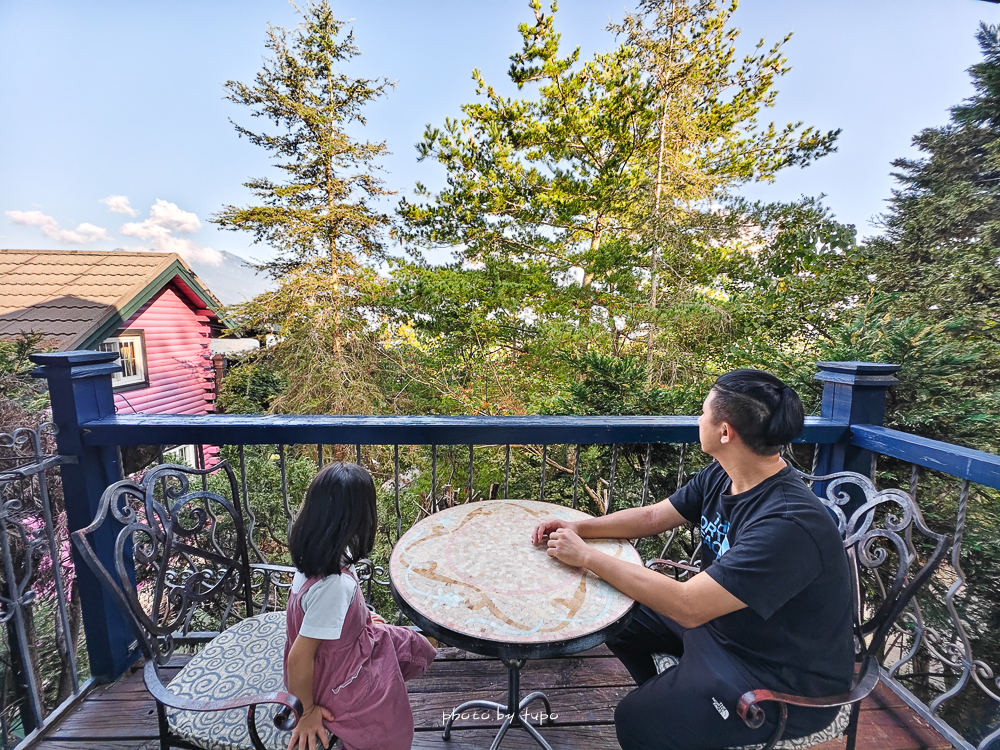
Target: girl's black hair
[
  {"x": 765, "y": 412},
  {"x": 337, "y": 523}
]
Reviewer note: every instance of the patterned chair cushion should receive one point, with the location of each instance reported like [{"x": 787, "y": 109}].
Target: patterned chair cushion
[
  {"x": 664, "y": 662},
  {"x": 243, "y": 660},
  {"x": 836, "y": 729}
]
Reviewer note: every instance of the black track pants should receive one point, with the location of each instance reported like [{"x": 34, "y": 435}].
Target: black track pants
[{"x": 691, "y": 706}]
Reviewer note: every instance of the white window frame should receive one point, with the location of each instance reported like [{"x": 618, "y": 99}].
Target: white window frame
[
  {"x": 182, "y": 454},
  {"x": 137, "y": 342}
]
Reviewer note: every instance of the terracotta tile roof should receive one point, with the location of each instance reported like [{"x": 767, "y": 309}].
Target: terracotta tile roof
[{"x": 68, "y": 294}]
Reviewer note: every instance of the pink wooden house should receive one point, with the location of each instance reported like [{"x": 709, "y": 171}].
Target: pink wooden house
[{"x": 149, "y": 307}]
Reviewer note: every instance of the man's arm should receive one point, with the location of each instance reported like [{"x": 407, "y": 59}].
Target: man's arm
[
  {"x": 629, "y": 523},
  {"x": 691, "y": 603}
]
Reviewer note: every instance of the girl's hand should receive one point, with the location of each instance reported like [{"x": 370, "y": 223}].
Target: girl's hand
[
  {"x": 566, "y": 546},
  {"x": 545, "y": 528},
  {"x": 309, "y": 733}
]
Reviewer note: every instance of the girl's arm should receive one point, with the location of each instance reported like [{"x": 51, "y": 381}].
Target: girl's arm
[{"x": 309, "y": 733}]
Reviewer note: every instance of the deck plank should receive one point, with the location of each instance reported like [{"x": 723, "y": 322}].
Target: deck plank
[
  {"x": 584, "y": 690},
  {"x": 597, "y": 736},
  {"x": 577, "y": 705},
  {"x": 454, "y": 675}
]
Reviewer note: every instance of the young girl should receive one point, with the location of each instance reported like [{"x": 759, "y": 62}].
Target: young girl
[{"x": 347, "y": 670}]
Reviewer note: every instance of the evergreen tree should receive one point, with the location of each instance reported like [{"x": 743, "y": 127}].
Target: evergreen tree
[
  {"x": 937, "y": 271},
  {"x": 558, "y": 204},
  {"x": 323, "y": 209},
  {"x": 707, "y": 138}
]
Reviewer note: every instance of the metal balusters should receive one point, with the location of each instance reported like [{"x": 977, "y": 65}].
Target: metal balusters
[
  {"x": 506, "y": 473},
  {"x": 434, "y": 474},
  {"x": 471, "y": 469},
  {"x": 121, "y": 462},
  {"x": 611, "y": 481},
  {"x": 680, "y": 483},
  {"x": 15, "y": 606},
  {"x": 21, "y": 545},
  {"x": 251, "y": 519},
  {"x": 199, "y": 459},
  {"x": 961, "y": 653},
  {"x": 576, "y": 473},
  {"x": 357, "y": 453},
  {"x": 159, "y": 461},
  {"x": 645, "y": 475},
  {"x": 395, "y": 474},
  {"x": 50, "y": 537},
  {"x": 319, "y": 455},
  {"x": 289, "y": 516},
  {"x": 541, "y": 487}
]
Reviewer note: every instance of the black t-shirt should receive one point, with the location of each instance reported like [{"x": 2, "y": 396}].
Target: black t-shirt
[{"x": 777, "y": 549}]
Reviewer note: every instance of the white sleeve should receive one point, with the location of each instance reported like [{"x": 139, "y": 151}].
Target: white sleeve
[{"x": 325, "y": 606}]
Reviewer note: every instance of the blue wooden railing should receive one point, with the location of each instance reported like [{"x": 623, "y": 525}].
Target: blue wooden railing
[{"x": 847, "y": 436}]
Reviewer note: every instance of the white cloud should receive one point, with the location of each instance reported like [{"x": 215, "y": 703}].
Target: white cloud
[
  {"x": 84, "y": 234},
  {"x": 164, "y": 220},
  {"x": 118, "y": 204}
]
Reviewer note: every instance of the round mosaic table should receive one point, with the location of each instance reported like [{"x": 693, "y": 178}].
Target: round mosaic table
[{"x": 470, "y": 576}]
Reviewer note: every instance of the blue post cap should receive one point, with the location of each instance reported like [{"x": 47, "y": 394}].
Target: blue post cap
[
  {"x": 875, "y": 374},
  {"x": 82, "y": 363}
]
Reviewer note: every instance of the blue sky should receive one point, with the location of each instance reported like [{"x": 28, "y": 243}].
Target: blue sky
[{"x": 103, "y": 98}]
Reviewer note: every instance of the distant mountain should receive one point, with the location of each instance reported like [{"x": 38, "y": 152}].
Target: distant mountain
[{"x": 232, "y": 282}]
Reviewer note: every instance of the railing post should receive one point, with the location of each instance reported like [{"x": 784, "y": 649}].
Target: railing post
[
  {"x": 853, "y": 392},
  {"x": 80, "y": 391}
]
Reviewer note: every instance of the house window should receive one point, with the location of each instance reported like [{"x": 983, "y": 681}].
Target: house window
[
  {"x": 182, "y": 454},
  {"x": 131, "y": 349}
]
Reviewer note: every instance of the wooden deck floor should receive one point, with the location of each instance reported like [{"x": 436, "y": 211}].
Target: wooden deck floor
[{"x": 583, "y": 690}]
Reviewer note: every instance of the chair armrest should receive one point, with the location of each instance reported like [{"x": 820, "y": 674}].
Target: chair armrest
[
  {"x": 660, "y": 563},
  {"x": 286, "y": 718},
  {"x": 753, "y": 716}
]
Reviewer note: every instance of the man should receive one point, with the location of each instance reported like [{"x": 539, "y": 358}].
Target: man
[{"x": 772, "y": 605}]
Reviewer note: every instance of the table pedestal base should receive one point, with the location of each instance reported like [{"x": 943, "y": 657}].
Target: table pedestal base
[{"x": 512, "y": 716}]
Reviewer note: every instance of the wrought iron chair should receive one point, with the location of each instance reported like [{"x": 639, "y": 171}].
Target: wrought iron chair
[
  {"x": 182, "y": 566},
  {"x": 886, "y": 572}
]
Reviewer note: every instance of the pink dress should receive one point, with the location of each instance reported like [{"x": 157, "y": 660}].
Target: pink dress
[{"x": 359, "y": 677}]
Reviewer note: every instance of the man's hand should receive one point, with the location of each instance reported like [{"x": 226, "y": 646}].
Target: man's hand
[
  {"x": 545, "y": 528},
  {"x": 377, "y": 619},
  {"x": 565, "y": 545},
  {"x": 309, "y": 733}
]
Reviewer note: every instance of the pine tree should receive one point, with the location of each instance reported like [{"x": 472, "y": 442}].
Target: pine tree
[
  {"x": 707, "y": 139},
  {"x": 323, "y": 209},
  {"x": 937, "y": 269},
  {"x": 557, "y": 204}
]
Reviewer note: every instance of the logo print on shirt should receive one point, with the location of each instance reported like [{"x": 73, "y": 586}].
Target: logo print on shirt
[
  {"x": 723, "y": 711},
  {"x": 714, "y": 534}
]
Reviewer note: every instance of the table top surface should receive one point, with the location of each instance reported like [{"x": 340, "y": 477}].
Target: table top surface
[{"x": 473, "y": 570}]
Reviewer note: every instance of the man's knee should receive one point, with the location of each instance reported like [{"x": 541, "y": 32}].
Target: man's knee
[{"x": 639, "y": 725}]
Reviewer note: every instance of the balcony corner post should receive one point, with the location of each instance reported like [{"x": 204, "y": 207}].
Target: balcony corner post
[
  {"x": 855, "y": 393},
  {"x": 80, "y": 391}
]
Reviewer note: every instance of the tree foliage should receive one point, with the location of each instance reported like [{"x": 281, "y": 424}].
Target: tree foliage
[
  {"x": 936, "y": 272},
  {"x": 558, "y": 205},
  {"x": 322, "y": 208}
]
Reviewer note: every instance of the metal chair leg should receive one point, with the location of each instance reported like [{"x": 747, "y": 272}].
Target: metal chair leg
[
  {"x": 511, "y": 712},
  {"x": 531, "y": 698},
  {"x": 852, "y": 725},
  {"x": 455, "y": 712},
  {"x": 503, "y": 730}
]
